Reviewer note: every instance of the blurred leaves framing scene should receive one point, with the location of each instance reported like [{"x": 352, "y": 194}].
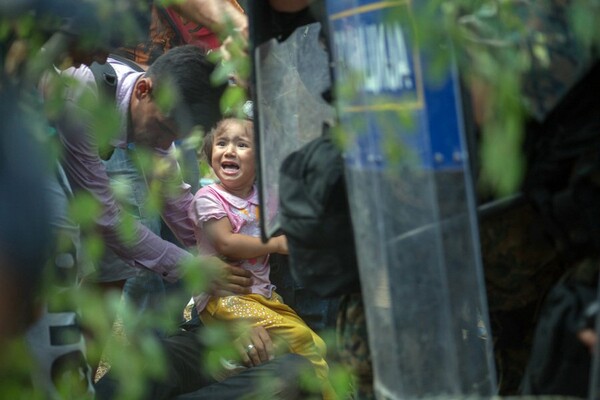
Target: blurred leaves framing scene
[{"x": 512, "y": 76}]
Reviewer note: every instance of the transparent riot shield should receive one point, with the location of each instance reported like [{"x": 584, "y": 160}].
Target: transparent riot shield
[
  {"x": 413, "y": 208},
  {"x": 290, "y": 79}
]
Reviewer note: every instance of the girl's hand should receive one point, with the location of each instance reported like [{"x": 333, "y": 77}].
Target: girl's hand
[
  {"x": 281, "y": 244},
  {"x": 588, "y": 338}
]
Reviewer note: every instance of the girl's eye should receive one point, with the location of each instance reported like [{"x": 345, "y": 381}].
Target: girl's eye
[{"x": 243, "y": 145}]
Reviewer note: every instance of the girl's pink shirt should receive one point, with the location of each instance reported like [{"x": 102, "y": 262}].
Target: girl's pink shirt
[{"x": 213, "y": 202}]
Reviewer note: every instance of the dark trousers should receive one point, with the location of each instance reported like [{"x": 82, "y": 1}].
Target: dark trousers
[
  {"x": 187, "y": 381},
  {"x": 318, "y": 313}
]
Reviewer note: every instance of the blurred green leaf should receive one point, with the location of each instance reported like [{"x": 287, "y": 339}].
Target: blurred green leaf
[
  {"x": 341, "y": 380},
  {"x": 5, "y": 29},
  {"x": 583, "y": 17},
  {"x": 223, "y": 71},
  {"x": 127, "y": 228},
  {"x": 84, "y": 209},
  {"x": 197, "y": 273},
  {"x": 93, "y": 245},
  {"x": 166, "y": 97},
  {"x": 232, "y": 101},
  {"x": 167, "y": 3}
]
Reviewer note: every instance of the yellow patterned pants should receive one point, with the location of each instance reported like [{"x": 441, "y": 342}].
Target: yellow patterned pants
[{"x": 277, "y": 318}]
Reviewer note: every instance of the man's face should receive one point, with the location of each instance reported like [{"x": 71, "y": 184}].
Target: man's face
[{"x": 150, "y": 127}]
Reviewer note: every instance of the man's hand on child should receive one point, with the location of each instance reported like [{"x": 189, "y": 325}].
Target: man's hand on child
[
  {"x": 215, "y": 276},
  {"x": 255, "y": 347},
  {"x": 231, "y": 280}
]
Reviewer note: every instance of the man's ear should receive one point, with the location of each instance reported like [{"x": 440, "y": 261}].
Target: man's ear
[{"x": 143, "y": 87}]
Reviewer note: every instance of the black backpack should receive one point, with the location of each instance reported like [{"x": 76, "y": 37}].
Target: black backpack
[{"x": 315, "y": 217}]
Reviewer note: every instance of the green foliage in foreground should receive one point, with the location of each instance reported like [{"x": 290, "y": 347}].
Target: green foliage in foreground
[{"x": 496, "y": 49}]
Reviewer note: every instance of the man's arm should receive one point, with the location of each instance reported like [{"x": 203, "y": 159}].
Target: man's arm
[{"x": 87, "y": 173}]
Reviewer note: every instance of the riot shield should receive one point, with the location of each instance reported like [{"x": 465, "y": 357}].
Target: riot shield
[
  {"x": 290, "y": 78},
  {"x": 413, "y": 208}
]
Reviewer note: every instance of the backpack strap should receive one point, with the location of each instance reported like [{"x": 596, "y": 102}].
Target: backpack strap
[
  {"x": 106, "y": 79},
  {"x": 135, "y": 66}
]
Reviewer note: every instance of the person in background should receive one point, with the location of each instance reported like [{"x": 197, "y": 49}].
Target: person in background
[{"x": 205, "y": 23}]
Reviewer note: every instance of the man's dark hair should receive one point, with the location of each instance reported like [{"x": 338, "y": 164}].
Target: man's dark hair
[{"x": 187, "y": 70}]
